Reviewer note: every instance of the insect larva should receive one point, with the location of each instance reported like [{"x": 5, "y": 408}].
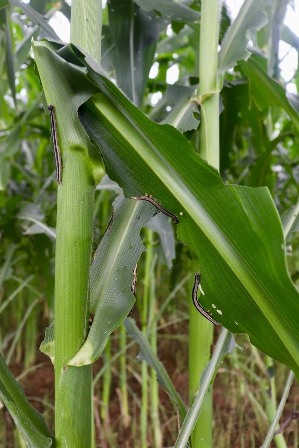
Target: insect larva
[
  {"x": 134, "y": 282},
  {"x": 197, "y": 305},
  {"x": 56, "y": 149},
  {"x": 158, "y": 206}
]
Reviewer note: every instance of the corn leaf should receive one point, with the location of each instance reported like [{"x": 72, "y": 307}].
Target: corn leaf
[
  {"x": 111, "y": 276},
  {"x": 28, "y": 420},
  {"x": 234, "y": 231}
]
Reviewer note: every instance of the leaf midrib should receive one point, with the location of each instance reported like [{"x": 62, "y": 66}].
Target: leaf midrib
[{"x": 185, "y": 197}]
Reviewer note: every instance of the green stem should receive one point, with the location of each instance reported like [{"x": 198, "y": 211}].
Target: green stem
[
  {"x": 144, "y": 324},
  {"x": 271, "y": 405},
  {"x": 123, "y": 385},
  {"x": 104, "y": 411},
  {"x": 208, "y": 81},
  {"x": 279, "y": 411},
  {"x": 75, "y": 205},
  {"x": 144, "y": 404},
  {"x": 197, "y": 406},
  {"x": 200, "y": 341},
  {"x": 200, "y": 330},
  {"x": 73, "y": 253},
  {"x": 153, "y": 339}
]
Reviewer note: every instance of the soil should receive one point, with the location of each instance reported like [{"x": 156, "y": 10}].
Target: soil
[{"x": 237, "y": 421}]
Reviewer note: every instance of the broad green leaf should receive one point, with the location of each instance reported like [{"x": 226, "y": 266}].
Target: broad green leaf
[
  {"x": 27, "y": 419},
  {"x": 234, "y": 231},
  {"x": 234, "y": 45},
  {"x": 170, "y": 9},
  {"x": 111, "y": 276},
  {"x": 266, "y": 91},
  {"x": 146, "y": 354},
  {"x": 135, "y": 33}
]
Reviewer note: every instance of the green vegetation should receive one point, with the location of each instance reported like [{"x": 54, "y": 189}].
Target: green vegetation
[{"x": 155, "y": 182}]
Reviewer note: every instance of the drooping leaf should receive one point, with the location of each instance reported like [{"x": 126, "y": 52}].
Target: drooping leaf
[
  {"x": 234, "y": 231},
  {"x": 27, "y": 419},
  {"x": 159, "y": 223},
  {"x": 234, "y": 45},
  {"x": 111, "y": 276}
]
